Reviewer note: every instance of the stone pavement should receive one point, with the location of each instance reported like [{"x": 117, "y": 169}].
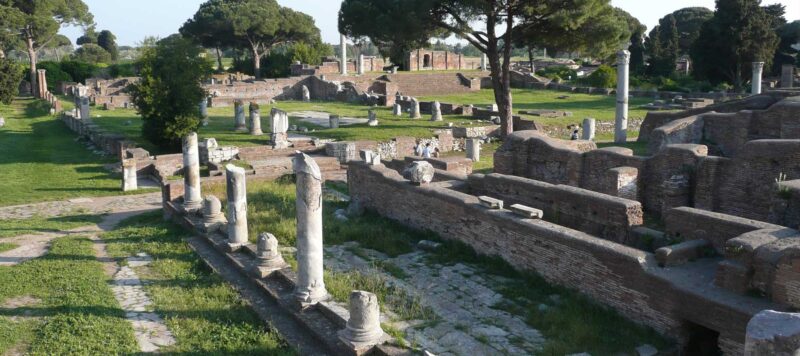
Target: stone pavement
[
  {"x": 83, "y": 205},
  {"x": 461, "y": 296},
  {"x": 150, "y": 330},
  {"x": 322, "y": 118}
]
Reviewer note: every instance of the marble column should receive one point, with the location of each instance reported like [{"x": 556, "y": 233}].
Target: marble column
[
  {"x": 255, "y": 120},
  {"x": 239, "y": 119},
  {"x": 204, "y": 112},
  {"x": 373, "y": 118},
  {"x": 415, "y": 113},
  {"x": 192, "y": 199},
  {"x": 589, "y": 128},
  {"x": 787, "y": 76},
  {"x": 397, "y": 110},
  {"x": 333, "y": 121},
  {"x": 364, "y": 326},
  {"x": 310, "y": 287},
  {"x": 237, "y": 206},
  {"x": 360, "y": 64},
  {"x": 474, "y": 149},
  {"x": 436, "y": 109},
  {"x": 623, "y": 72},
  {"x": 129, "y": 179},
  {"x": 306, "y": 94},
  {"x": 484, "y": 62},
  {"x": 84, "y": 108},
  {"x": 268, "y": 256},
  {"x": 279, "y": 125},
  {"x": 343, "y": 55},
  {"x": 758, "y": 71}
]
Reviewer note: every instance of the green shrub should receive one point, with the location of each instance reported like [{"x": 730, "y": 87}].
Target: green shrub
[
  {"x": 603, "y": 77},
  {"x": 557, "y": 72},
  {"x": 122, "y": 70},
  {"x": 79, "y": 71},
  {"x": 11, "y": 75},
  {"x": 55, "y": 74}
]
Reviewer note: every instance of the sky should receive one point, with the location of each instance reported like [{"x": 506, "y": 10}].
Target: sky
[{"x": 132, "y": 21}]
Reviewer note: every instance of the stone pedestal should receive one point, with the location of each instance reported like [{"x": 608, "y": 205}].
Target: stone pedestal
[
  {"x": 474, "y": 149},
  {"x": 343, "y": 55},
  {"x": 787, "y": 76},
  {"x": 589, "y": 129},
  {"x": 255, "y": 120},
  {"x": 623, "y": 72},
  {"x": 213, "y": 219},
  {"x": 773, "y": 333},
  {"x": 192, "y": 200},
  {"x": 415, "y": 112},
  {"x": 279, "y": 125},
  {"x": 310, "y": 287},
  {"x": 364, "y": 326},
  {"x": 333, "y": 120},
  {"x": 436, "y": 109},
  {"x": 237, "y": 206},
  {"x": 397, "y": 110},
  {"x": 129, "y": 178},
  {"x": 758, "y": 70},
  {"x": 373, "y": 119},
  {"x": 268, "y": 256},
  {"x": 204, "y": 112},
  {"x": 240, "y": 123}
]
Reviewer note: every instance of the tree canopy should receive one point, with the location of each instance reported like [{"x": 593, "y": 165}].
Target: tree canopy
[
  {"x": 739, "y": 33},
  {"x": 169, "y": 90},
  {"x": 399, "y": 26},
  {"x": 36, "y": 23},
  {"x": 107, "y": 41}
]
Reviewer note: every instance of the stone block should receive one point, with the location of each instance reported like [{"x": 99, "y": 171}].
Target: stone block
[
  {"x": 491, "y": 203},
  {"x": 527, "y": 212},
  {"x": 681, "y": 253}
]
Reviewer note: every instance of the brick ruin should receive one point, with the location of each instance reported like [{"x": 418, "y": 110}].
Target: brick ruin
[{"x": 423, "y": 59}]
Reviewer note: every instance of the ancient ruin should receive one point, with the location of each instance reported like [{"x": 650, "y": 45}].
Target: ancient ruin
[{"x": 310, "y": 282}]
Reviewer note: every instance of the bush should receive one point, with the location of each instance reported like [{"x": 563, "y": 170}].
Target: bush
[
  {"x": 11, "y": 75},
  {"x": 79, "y": 71},
  {"x": 557, "y": 72},
  {"x": 120, "y": 70},
  {"x": 55, "y": 74},
  {"x": 169, "y": 90},
  {"x": 603, "y": 77},
  {"x": 92, "y": 53}
]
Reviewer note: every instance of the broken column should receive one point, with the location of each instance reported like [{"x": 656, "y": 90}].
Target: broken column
[
  {"x": 773, "y": 333},
  {"x": 268, "y": 256},
  {"x": 415, "y": 113},
  {"x": 84, "y": 108},
  {"x": 360, "y": 64},
  {"x": 129, "y": 179},
  {"x": 255, "y": 120},
  {"x": 279, "y": 122},
  {"x": 484, "y": 62},
  {"x": 623, "y": 71},
  {"x": 237, "y": 206},
  {"x": 192, "y": 200},
  {"x": 373, "y": 118},
  {"x": 204, "y": 112},
  {"x": 787, "y": 76},
  {"x": 419, "y": 173},
  {"x": 436, "y": 109},
  {"x": 306, "y": 94},
  {"x": 397, "y": 110},
  {"x": 310, "y": 287},
  {"x": 239, "y": 120},
  {"x": 474, "y": 149},
  {"x": 758, "y": 71},
  {"x": 343, "y": 55},
  {"x": 41, "y": 83},
  {"x": 364, "y": 326},
  {"x": 589, "y": 128}
]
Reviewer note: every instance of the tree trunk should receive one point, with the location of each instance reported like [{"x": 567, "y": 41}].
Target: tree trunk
[
  {"x": 220, "y": 67},
  {"x": 530, "y": 58},
  {"x": 32, "y": 57},
  {"x": 256, "y": 62}
]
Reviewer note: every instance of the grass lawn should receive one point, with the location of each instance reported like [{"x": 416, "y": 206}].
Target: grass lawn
[
  {"x": 575, "y": 325},
  {"x": 205, "y": 315},
  {"x": 127, "y": 122},
  {"x": 40, "y": 160},
  {"x": 17, "y": 227},
  {"x": 75, "y": 311}
]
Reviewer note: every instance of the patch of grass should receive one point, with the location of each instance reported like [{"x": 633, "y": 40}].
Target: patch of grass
[
  {"x": 486, "y": 164},
  {"x": 406, "y": 307},
  {"x": 639, "y": 148},
  {"x": 4, "y": 246},
  {"x": 40, "y": 161},
  {"x": 80, "y": 314},
  {"x": 17, "y": 227},
  {"x": 205, "y": 314}
]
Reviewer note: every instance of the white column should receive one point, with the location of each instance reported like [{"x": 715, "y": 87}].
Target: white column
[
  {"x": 364, "y": 326},
  {"x": 343, "y": 59},
  {"x": 192, "y": 199},
  {"x": 360, "y": 64},
  {"x": 255, "y": 120},
  {"x": 237, "y": 206},
  {"x": 474, "y": 149},
  {"x": 129, "y": 179},
  {"x": 310, "y": 287},
  {"x": 589, "y": 127},
  {"x": 758, "y": 71},
  {"x": 623, "y": 71}
]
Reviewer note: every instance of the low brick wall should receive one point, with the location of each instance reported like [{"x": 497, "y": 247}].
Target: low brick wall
[{"x": 623, "y": 278}]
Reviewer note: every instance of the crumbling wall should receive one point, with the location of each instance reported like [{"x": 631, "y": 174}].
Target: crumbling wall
[{"x": 532, "y": 154}]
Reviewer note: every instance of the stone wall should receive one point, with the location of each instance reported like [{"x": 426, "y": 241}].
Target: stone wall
[{"x": 623, "y": 278}]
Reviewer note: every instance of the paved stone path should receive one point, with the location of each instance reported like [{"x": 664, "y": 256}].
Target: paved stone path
[
  {"x": 83, "y": 205},
  {"x": 150, "y": 330},
  {"x": 460, "y": 295},
  {"x": 322, "y": 118}
]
